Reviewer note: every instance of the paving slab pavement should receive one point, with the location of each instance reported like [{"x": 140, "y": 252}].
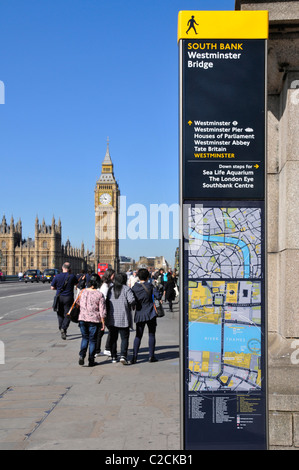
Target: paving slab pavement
[{"x": 49, "y": 402}]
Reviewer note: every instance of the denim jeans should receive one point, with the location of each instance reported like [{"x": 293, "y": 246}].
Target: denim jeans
[
  {"x": 89, "y": 338},
  {"x": 99, "y": 341}
]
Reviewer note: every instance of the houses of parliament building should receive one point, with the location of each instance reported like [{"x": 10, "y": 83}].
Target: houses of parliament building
[{"x": 47, "y": 251}]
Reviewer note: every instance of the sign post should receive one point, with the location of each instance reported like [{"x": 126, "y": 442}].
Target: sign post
[{"x": 223, "y": 241}]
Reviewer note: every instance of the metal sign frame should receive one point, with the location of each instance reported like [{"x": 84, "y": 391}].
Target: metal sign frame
[{"x": 223, "y": 403}]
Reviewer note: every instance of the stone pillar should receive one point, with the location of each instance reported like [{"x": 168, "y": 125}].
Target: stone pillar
[{"x": 283, "y": 218}]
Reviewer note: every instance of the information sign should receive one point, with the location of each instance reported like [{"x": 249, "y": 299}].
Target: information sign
[{"x": 222, "y": 194}]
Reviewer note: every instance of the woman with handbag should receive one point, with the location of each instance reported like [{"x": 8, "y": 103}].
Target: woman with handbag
[
  {"x": 145, "y": 314},
  {"x": 91, "y": 318}
]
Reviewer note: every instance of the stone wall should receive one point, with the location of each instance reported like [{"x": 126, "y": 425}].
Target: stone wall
[{"x": 283, "y": 219}]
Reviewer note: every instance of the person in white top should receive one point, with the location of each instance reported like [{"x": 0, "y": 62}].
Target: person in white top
[
  {"x": 133, "y": 279},
  {"x": 107, "y": 282}
]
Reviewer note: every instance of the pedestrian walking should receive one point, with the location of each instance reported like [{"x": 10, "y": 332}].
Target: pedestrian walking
[
  {"x": 132, "y": 279},
  {"x": 145, "y": 314},
  {"x": 91, "y": 318},
  {"x": 191, "y": 24},
  {"x": 107, "y": 281},
  {"x": 120, "y": 301},
  {"x": 176, "y": 278},
  {"x": 169, "y": 290},
  {"x": 64, "y": 284},
  {"x": 160, "y": 280},
  {"x": 81, "y": 281}
]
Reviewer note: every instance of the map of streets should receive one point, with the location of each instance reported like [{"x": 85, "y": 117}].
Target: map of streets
[
  {"x": 224, "y": 299},
  {"x": 224, "y": 336},
  {"x": 224, "y": 243}
]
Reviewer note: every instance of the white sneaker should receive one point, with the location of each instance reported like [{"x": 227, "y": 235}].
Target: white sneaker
[
  {"x": 107, "y": 353},
  {"x": 99, "y": 354},
  {"x": 124, "y": 361}
]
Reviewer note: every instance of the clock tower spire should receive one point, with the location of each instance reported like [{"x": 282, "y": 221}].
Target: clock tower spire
[
  {"x": 106, "y": 215},
  {"x": 107, "y": 167}
]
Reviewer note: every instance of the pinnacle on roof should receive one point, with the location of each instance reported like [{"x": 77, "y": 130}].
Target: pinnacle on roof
[
  {"x": 107, "y": 159},
  {"x": 107, "y": 175}
]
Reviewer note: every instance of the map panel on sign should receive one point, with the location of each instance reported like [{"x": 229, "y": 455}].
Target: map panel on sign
[
  {"x": 224, "y": 334},
  {"x": 224, "y": 243}
]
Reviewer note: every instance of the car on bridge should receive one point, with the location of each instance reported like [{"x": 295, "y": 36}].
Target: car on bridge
[
  {"x": 48, "y": 275},
  {"x": 32, "y": 275}
]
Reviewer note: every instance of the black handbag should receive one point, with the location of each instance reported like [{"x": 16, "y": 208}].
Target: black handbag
[
  {"x": 157, "y": 304},
  {"x": 55, "y": 305},
  {"x": 159, "y": 308},
  {"x": 74, "y": 311}
]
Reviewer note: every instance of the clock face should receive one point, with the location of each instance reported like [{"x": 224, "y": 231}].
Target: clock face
[{"x": 105, "y": 199}]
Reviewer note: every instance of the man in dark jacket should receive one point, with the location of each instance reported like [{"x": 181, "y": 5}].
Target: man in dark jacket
[
  {"x": 64, "y": 284},
  {"x": 145, "y": 313}
]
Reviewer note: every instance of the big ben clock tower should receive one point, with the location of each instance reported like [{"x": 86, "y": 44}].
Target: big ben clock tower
[{"x": 106, "y": 215}]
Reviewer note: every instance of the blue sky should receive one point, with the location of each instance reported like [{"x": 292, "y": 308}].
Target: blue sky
[{"x": 76, "y": 72}]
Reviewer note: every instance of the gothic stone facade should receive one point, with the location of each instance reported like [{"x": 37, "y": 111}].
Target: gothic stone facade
[{"x": 45, "y": 251}]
